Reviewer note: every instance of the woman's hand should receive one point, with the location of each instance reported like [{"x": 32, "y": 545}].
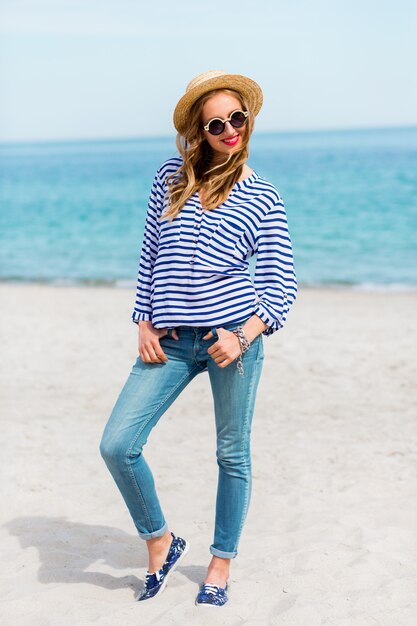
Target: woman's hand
[
  {"x": 149, "y": 348},
  {"x": 226, "y": 349}
]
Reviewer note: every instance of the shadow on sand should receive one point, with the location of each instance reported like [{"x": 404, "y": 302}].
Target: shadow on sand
[{"x": 69, "y": 550}]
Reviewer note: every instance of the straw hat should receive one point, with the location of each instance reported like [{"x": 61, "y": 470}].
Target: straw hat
[{"x": 216, "y": 79}]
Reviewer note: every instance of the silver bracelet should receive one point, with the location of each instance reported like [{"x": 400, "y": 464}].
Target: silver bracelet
[{"x": 244, "y": 345}]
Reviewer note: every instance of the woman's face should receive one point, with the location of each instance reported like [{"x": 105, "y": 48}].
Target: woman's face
[{"x": 222, "y": 105}]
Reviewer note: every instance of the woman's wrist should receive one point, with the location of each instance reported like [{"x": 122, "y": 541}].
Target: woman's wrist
[
  {"x": 243, "y": 340},
  {"x": 244, "y": 345},
  {"x": 254, "y": 327}
]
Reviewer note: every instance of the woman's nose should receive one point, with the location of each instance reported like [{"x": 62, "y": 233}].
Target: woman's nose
[{"x": 229, "y": 130}]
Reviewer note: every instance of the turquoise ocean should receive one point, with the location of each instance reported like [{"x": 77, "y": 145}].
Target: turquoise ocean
[{"x": 74, "y": 212}]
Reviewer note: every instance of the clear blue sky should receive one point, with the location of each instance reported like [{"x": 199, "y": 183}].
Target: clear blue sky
[{"x": 116, "y": 68}]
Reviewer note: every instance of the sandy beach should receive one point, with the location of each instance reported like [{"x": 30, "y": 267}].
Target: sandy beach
[{"x": 330, "y": 537}]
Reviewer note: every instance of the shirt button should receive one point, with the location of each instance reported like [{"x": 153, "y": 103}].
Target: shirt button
[
  {"x": 191, "y": 261},
  {"x": 195, "y": 240}
]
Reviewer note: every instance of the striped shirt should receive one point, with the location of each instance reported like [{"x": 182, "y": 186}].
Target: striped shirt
[{"x": 195, "y": 271}]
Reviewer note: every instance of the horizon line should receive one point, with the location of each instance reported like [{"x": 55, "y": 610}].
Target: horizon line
[{"x": 173, "y": 135}]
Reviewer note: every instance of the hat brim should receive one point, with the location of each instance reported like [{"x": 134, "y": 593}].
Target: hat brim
[{"x": 249, "y": 89}]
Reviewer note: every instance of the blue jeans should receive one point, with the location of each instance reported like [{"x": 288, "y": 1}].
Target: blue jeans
[{"x": 148, "y": 392}]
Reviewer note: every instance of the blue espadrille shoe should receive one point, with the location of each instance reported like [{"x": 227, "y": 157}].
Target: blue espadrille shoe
[
  {"x": 155, "y": 583},
  {"x": 212, "y": 595}
]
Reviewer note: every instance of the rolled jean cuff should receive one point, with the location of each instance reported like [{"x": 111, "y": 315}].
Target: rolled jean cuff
[
  {"x": 156, "y": 533},
  {"x": 221, "y": 554}
]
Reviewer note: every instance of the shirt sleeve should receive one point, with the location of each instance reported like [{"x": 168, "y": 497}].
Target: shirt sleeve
[
  {"x": 275, "y": 280},
  {"x": 143, "y": 308}
]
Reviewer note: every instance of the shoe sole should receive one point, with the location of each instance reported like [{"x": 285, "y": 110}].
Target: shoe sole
[
  {"x": 164, "y": 584},
  {"x": 211, "y": 606}
]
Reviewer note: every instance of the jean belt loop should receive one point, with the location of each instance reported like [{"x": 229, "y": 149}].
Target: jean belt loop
[{"x": 214, "y": 331}]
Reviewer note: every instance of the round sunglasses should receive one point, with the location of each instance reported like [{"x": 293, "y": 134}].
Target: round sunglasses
[{"x": 216, "y": 125}]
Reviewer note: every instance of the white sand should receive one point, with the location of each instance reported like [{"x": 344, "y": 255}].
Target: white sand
[{"x": 330, "y": 537}]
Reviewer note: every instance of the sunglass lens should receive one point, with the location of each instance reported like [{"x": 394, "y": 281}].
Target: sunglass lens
[
  {"x": 238, "y": 119},
  {"x": 216, "y": 127}
]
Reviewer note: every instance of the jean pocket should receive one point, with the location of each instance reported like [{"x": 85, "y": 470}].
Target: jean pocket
[
  {"x": 231, "y": 326},
  {"x": 168, "y": 335},
  {"x": 234, "y": 325}
]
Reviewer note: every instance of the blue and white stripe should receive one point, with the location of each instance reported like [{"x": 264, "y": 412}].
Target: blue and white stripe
[{"x": 195, "y": 270}]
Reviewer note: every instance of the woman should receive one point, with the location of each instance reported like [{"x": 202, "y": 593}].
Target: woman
[{"x": 197, "y": 310}]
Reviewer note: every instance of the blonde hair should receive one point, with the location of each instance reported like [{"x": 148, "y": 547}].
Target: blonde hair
[{"x": 197, "y": 155}]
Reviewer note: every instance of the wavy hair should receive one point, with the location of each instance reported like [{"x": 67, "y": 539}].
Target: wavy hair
[{"x": 197, "y": 155}]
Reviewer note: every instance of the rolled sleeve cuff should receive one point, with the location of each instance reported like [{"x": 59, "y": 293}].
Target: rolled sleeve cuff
[
  {"x": 273, "y": 324},
  {"x": 141, "y": 317}
]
